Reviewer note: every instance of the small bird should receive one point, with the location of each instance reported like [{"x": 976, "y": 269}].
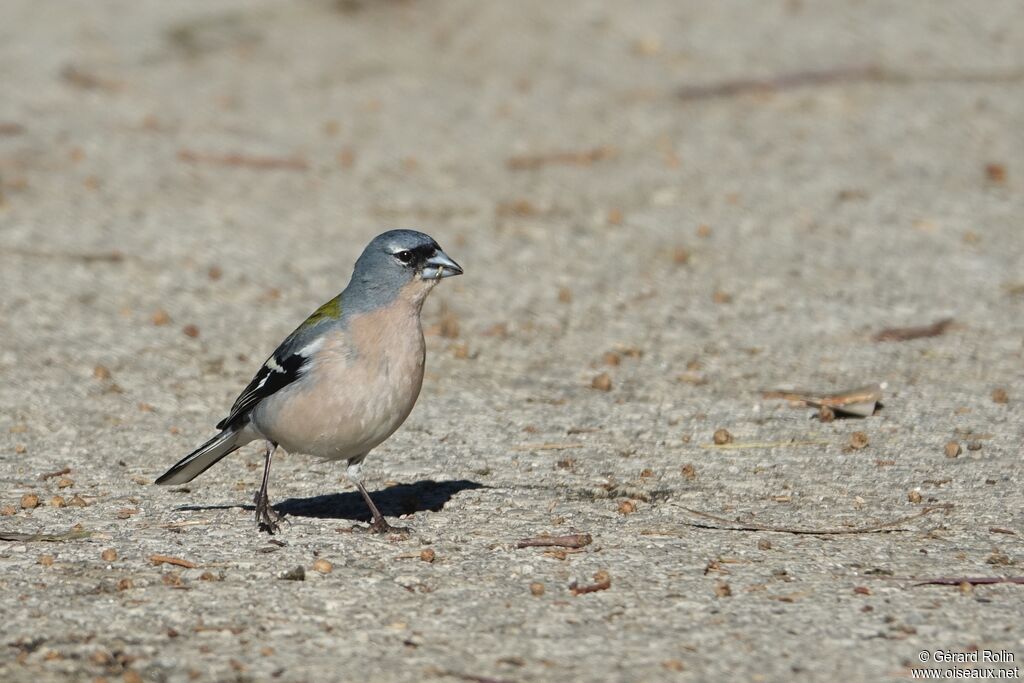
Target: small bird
[{"x": 345, "y": 379}]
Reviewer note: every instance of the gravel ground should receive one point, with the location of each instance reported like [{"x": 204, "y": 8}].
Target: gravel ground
[{"x": 699, "y": 200}]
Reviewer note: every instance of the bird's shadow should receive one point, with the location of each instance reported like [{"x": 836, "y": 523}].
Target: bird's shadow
[{"x": 394, "y": 501}]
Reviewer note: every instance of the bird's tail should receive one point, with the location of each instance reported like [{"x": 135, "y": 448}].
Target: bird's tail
[{"x": 204, "y": 457}]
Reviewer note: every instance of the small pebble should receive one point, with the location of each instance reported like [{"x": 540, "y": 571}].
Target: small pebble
[
  {"x": 296, "y": 574},
  {"x": 999, "y": 395},
  {"x": 8, "y": 510},
  {"x": 29, "y": 501},
  {"x": 64, "y": 483},
  {"x": 46, "y": 560},
  {"x": 172, "y": 579},
  {"x": 995, "y": 172},
  {"x": 602, "y": 382},
  {"x": 722, "y": 589},
  {"x": 78, "y": 502},
  {"x": 722, "y": 437},
  {"x": 688, "y": 471},
  {"x": 914, "y": 496},
  {"x": 974, "y": 445},
  {"x": 627, "y": 507},
  {"x": 999, "y": 557},
  {"x": 427, "y": 555},
  {"x": 161, "y": 317},
  {"x": 858, "y": 440},
  {"x": 58, "y": 502},
  {"x": 537, "y": 588},
  {"x": 190, "y": 331},
  {"x": 109, "y": 555},
  {"x": 565, "y": 295},
  {"x": 952, "y": 449},
  {"x": 323, "y": 566},
  {"x": 764, "y": 544}
]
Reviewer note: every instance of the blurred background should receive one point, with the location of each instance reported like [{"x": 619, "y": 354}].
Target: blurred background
[{"x": 663, "y": 209}]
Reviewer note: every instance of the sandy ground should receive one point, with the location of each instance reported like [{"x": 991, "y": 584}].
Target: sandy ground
[{"x": 727, "y": 197}]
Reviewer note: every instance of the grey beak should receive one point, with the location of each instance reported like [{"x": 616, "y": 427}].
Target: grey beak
[{"x": 440, "y": 265}]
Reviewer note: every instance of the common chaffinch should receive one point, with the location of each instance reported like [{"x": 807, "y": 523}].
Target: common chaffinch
[{"x": 345, "y": 379}]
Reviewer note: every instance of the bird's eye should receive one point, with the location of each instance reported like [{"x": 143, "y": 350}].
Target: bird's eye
[{"x": 404, "y": 256}]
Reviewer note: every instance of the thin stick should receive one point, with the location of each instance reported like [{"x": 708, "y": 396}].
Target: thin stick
[
  {"x": 973, "y": 580},
  {"x": 72, "y": 535},
  {"x": 59, "y": 473},
  {"x": 162, "y": 559},
  {"x": 760, "y": 444},
  {"x": 243, "y": 160},
  {"x": 877, "y": 528},
  {"x": 571, "y": 541},
  {"x": 572, "y": 158},
  {"x": 841, "y": 75},
  {"x": 899, "y": 334},
  {"x": 547, "y": 446}
]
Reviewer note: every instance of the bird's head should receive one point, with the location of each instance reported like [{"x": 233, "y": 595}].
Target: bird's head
[{"x": 401, "y": 263}]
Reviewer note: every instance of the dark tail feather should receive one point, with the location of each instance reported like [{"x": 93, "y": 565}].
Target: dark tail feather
[{"x": 202, "y": 458}]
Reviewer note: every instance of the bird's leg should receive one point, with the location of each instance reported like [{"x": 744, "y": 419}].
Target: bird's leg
[
  {"x": 378, "y": 525},
  {"x": 266, "y": 516}
]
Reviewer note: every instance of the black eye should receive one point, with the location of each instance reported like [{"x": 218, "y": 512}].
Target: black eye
[{"x": 404, "y": 256}]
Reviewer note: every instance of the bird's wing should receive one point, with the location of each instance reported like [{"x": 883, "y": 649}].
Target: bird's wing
[{"x": 286, "y": 365}]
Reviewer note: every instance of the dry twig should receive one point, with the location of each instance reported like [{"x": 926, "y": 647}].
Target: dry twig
[
  {"x": 234, "y": 159},
  {"x": 547, "y": 446},
  {"x": 167, "y": 559},
  {"x": 869, "y": 73},
  {"x": 73, "y": 535},
  {"x": 570, "y": 541},
  {"x": 580, "y": 158},
  {"x": 884, "y": 527},
  {"x": 742, "y": 445},
  {"x": 59, "y": 473},
  {"x": 860, "y": 402},
  {"x": 898, "y": 334},
  {"x": 973, "y": 580}
]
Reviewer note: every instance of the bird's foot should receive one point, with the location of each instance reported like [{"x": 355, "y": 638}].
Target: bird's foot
[{"x": 266, "y": 516}]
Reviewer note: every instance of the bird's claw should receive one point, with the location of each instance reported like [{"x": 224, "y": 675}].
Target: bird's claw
[{"x": 266, "y": 516}]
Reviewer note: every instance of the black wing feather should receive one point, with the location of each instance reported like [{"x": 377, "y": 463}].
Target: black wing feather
[{"x": 267, "y": 381}]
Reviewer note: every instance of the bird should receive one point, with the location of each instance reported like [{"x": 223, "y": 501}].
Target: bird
[{"x": 345, "y": 379}]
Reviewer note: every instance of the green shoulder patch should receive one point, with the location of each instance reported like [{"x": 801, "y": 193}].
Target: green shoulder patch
[{"x": 329, "y": 311}]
